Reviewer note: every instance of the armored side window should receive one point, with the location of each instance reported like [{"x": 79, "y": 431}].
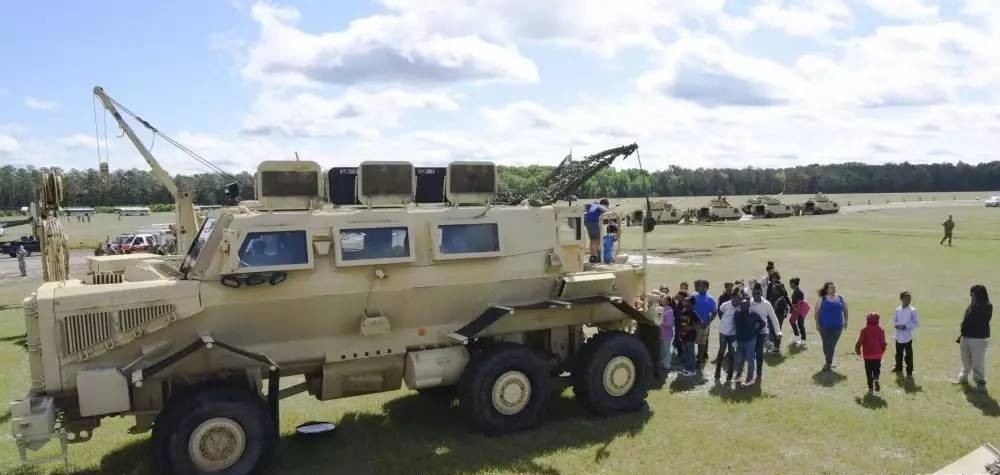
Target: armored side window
[
  {"x": 274, "y": 249},
  {"x": 372, "y": 245},
  {"x": 467, "y": 240}
]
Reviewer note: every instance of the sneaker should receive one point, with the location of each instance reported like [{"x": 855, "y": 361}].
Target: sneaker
[
  {"x": 802, "y": 344},
  {"x": 897, "y": 370},
  {"x": 687, "y": 373},
  {"x": 729, "y": 381},
  {"x": 871, "y": 391},
  {"x": 826, "y": 367},
  {"x": 878, "y": 387}
]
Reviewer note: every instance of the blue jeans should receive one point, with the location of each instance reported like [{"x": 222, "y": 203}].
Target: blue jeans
[
  {"x": 748, "y": 355},
  {"x": 727, "y": 348},
  {"x": 830, "y": 338},
  {"x": 690, "y": 361},
  {"x": 667, "y": 350}
]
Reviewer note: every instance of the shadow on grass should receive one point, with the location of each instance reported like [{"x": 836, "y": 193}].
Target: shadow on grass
[
  {"x": 774, "y": 359},
  {"x": 686, "y": 383},
  {"x": 131, "y": 459},
  {"x": 871, "y": 401},
  {"x": 908, "y": 384},
  {"x": 19, "y": 340},
  {"x": 795, "y": 349},
  {"x": 828, "y": 379},
  {"x": 9, "y": 306},
  {"x": 981, "y": 399},
  {"x": 415, "y": 434},
  {"x": 5, "y": 417},
  {"x": 739, "y": 394}
]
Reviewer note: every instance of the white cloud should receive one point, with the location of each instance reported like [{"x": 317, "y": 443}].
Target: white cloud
[
  {"x": 376, "y": 49},
  {"x": 592, "y": 25},
  {"x": 38, "y": 104},
  {"x": 804, "y": 17},
  {"x": 356, "y": 112},
  {"x": 915, "y": 10},
  {"x": 521, "y": 115},
  {"x": 707, "y": 71},
  {"x": 8, "y": 145},
  {"x": 78, "y": 140}
]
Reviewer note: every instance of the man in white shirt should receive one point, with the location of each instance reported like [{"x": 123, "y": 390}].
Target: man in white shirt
[
  {"x": 905, "y": 321},
  {"x": 727, "y": 336},
  {"x": 763, "y": 309}
]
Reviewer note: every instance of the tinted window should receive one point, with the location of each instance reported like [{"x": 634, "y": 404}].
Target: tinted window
[
  {"x": 274, "y": 248},
  {"x": 374, "y": 243},
  {"x": 467, "y": 238},
  {"x": 473, "y": 178},
  {"x": 289, "y": 183},
  {"x": 387, "y": 179}
]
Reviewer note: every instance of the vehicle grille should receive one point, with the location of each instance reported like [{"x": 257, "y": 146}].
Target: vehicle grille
[
  {"x": 86, "y": 330},
  {"x": 107, "y": 278},
  {"x": 133, "y": 317}
]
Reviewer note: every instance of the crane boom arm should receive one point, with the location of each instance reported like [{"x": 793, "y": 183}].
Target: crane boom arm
[
  {"x": 187, "y": 220},
  {"x": 158, "y": 171}
]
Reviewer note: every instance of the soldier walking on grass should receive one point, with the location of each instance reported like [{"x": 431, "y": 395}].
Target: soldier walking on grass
[
  {"x": 21, "y": 255},
  {"x": 949, "y": 226}
]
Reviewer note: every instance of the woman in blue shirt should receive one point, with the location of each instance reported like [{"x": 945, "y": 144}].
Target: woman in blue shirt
[{"x": 831, "y": 320}]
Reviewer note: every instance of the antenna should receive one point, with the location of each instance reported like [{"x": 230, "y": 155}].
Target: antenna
[{"x": 296, "y": 156}]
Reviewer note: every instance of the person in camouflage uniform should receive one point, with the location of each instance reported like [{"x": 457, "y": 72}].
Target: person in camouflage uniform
[{"x": 949, "y": 226}]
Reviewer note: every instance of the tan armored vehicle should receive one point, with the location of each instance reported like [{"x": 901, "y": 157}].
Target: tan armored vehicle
[
  {"x": 767, "y": 207},
  {"x": 662, "y": 212},
  {"x": 820, "y": 204},
  {"x": 718, "y": 209},
  {"x": 495, "y": 301}
]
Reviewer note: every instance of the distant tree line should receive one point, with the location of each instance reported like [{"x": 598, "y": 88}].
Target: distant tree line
[{"x": 139, "y": 187}]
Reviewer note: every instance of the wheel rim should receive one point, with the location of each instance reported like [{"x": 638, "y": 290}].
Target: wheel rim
[
  {"x": 216, "y": 444},
  {"x": 619, "y": 376},
  {"x": 511, "y": 393}
]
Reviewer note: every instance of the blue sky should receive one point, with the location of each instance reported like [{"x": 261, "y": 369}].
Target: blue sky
[{"x": 694, "y": 82}]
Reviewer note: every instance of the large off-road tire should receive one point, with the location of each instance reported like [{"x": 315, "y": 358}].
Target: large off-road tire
[
  {"x": 613, "y": 374},
  {"x": 505, "y": 389},
  {"x": 213, "y": 429}
]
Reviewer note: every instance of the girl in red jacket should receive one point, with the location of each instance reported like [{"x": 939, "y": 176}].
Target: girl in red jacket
[{"x": 871, "y": 346}]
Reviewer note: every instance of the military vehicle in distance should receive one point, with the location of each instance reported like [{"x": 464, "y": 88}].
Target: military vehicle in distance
[
  {"x": 767, "y": 207},
  {"x": 488, "y": 299},
  {"x": 718, "y": 209},
  {"x": 661, "y": 211},
  {"x": 820, "y": 204}
]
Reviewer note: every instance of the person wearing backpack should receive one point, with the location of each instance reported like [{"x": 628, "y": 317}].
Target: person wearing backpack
[
  {"x": 831, "y": 320},
  {"x": 778, "y": 296},
  {"x": 800, "y": 308}
]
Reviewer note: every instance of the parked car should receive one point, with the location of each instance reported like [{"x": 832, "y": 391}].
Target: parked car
[
  {"x": 993, "y": 202},
  {"x": 30, "y": 244},
  {"x": 132, "y": 243}
]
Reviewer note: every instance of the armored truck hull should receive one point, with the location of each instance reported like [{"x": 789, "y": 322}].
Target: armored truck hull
[{"x": 491, "y": 301}]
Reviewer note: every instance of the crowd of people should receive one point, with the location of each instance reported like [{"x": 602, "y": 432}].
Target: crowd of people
[{"x": 752, "y": 313}]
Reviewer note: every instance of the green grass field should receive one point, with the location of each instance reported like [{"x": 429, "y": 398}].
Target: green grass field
[{"x": 801, "y": 422}]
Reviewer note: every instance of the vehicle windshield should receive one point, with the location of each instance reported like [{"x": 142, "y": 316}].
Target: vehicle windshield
[{"x": 198, "y": 245}]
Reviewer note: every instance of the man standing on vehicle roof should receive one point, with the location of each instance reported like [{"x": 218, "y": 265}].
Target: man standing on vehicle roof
[
  {"x": 592, "y": 221},
  {"x": 949, "y": 226},
  {"x": 21, "y": 254}
]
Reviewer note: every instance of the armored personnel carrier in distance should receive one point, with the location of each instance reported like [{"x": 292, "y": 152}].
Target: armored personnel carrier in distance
[
  {"x": 662, "y": 212},
  {"x": 489, "y": 299},
  {"x": 820, "y": 204},
  {"x": 718, "y": 209},
  {"x": 767, "y": 207}
]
